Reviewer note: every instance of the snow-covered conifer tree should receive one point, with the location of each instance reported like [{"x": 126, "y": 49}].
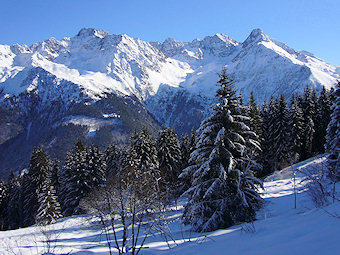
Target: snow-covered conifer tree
[
  {"x": 223, "y": 191},
  {"x": 333, "y": 138},
  {"x": 95, "y": 167},
  {"x": 253, "y": 141},
  {"x": 49, "y": 208},
  {"x": 324, "y": 116},
  {"x": 84, "y": 170},
  {"x": 14, "y": 208},
  {"x": 4, "y": 197},
  {"x": 39, "y": 169},
  {"x": 55, "y": 176},
  {"x": 143, "y": 161},
  {"x": 193, "y": 140},
  {"x": 282, "y": 143},
  {"x": 112, "y": 155},
  {"x": 169, "y": 157},
  {"x": 185, "y": 150},
  {"x": 74, "y": 173},
  {"x": 255, "y": 123},
  {"x": 296, "y": 126},
  {"x": 268, "y": 114},
  {"x": 307, "y": 105}
]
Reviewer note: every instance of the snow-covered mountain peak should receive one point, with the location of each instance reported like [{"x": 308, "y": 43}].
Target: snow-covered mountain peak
[
  {"x": 98, "y": 63},
  {"x": 220, "y": 38},
  {"x": 49, "y": 48},
  {"x": 256, "y": 36},
  {"x": 170, "y": 47},
  {"x": 18, "y": 49},
  {"x": 219, "y": 45},
  {"x": 88, "y": 32}
]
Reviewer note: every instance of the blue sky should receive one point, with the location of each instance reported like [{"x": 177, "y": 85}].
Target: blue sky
[{"x": 312, "y": 25}]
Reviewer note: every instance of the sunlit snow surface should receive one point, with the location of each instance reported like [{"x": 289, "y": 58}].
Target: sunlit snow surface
[
  {"x": 280, "y": 229},
  {"x": 98, "y": 63},
  {"x": 93, "y": 124}
]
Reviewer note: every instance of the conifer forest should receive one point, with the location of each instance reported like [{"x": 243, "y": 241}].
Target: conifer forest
[{"x": 217, "y": 168}]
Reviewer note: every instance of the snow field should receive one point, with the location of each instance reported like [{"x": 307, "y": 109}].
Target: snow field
[{"x": 279, "y": 228}]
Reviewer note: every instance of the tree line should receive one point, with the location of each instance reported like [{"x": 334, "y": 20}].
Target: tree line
[{"x": 217, "y": 168}]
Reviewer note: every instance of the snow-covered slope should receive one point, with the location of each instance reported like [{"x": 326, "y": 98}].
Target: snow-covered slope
[
  {"x": 173, "y": 82},
  {"x": 279, "y": 228},
  {"x": 261, "y": 64},
  {"x": 98, "y": 62},
  {"x": 95, "y": 61}
]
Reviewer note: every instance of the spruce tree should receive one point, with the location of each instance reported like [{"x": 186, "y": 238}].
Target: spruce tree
[
  {"x": 55, "y": 176},
  {"x": 112, "y": 155},
  {"x": 49, "y": 208},
  {"x": 184, "y": 183},
  {"x": 223, "y": 190},
  {"x": 169, "y": 158},
  {"x": 95, "y": 167},
  {"x": 267, "y": 157},
  {"x": 193, "y": 140},
  {"x": 324, "y": 116},
  {"x": 308, "y": 108},
  {"x": 185, "y": 150},
  {"x": 39, "y": 169},
  {"x": 333, "y": 138},
  {"x": 4, "y": 198},
  {"x": 296, "y": 124},
  {"x": 84, "y": 171},
  {"x": 143, "y": 161},
  {"x": 254, "y": 141},
  {"x": 254, "y": 114},
  {"x": 14, "y": 208},
  {"x": 27, "y": 194},
  {"x": 74, "y": 177},
  {"x": 282, "y": 143}
]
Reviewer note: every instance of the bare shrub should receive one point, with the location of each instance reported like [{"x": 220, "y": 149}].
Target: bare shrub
[
  {"x": 318, "y": 184},
  {"x": 126, "y": 213}
]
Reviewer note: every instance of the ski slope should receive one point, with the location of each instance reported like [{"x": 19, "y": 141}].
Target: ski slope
[{"x": 279, "y": 228}]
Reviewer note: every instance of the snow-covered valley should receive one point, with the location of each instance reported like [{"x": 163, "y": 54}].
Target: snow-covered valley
[{"x": 279, "y": 228}]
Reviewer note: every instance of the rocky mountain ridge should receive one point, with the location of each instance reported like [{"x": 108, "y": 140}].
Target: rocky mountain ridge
[{"x": 95, "y": 74}]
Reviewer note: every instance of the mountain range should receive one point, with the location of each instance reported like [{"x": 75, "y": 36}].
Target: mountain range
[{"x": 101, "y": 87}]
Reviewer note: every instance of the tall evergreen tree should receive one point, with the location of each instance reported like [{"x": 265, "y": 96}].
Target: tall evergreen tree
[
  {"x": 95, "y": 167},
  {"x": 223, "y": 190},
  {"x": 282, "y": 146},
  {"x": 49, "y": 208},
  {"x": 74, "y": 174},
  {"x": 55, "y": 176},
  {"x": 84, "y": 170},
  {"x": 143, "y": 161},
  {"x": 267, "y": 157},
  {"x": 323, "y": 118},
  {"x": 333, "y": 138},
  {"x": 39, "y": 169},
  {"x": 4, "y": 198},
  {"x": 308, "y": 108},
  {"x": 255, "y": 140},
  {"x": 14, "y": 209},
  {"x": 112, "y": 155},
  {"x": 296, "y": 125},
  {"x": 27, "y": 193},
  {"x": 169, "y": 157},
  {"x": 185, "y": 150},
  {"x": 193, "y": 140},
  {"x": 254, "y": 113}
]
